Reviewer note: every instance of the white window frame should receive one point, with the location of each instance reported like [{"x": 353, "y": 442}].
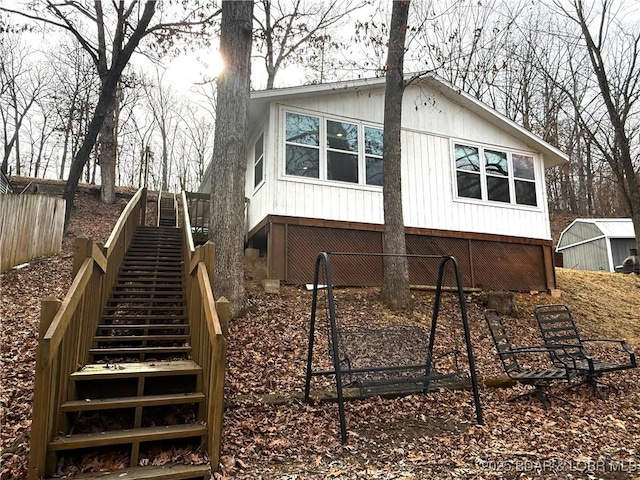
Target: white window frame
[
  {"x": 323, "y": 149},
  {"x": 484, "y": 200},
  {"x": 256, "y": 186}
]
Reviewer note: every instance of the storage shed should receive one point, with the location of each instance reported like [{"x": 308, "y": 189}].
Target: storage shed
[{"x": 596, "y": 243}]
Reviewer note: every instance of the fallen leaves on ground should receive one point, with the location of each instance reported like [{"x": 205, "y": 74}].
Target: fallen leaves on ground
[
  {"x": 21, "y": 292},
  {"x": 419, "y": 436},
  {"x": 413, "y": 437}
]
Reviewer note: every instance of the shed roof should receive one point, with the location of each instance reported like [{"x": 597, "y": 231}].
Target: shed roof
[
  {"x": 608, "y": 228},
  {"x": 261, "y": 98}
]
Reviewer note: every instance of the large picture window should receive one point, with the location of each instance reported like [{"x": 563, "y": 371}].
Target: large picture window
[
  {"x": 334, "y": 150},
  {"x": 494, "y": 175}
]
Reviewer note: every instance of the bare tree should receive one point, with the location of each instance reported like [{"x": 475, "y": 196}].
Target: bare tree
[
  {"x": 130, "y": 22},
  {"x": 165, "y": 109},
  {"x": 75, "y": 90},
  {"x": 22, "y": 83},
  {"x": 229, "y": 153},
  {"x": 609, "y": 118},
  {"x": 395, "y": 289},
  {"x": 199, "y": 134},
  {"x": 291, "y": 32}
]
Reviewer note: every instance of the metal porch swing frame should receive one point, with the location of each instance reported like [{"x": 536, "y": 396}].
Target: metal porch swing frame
[{"x": 323, "y": 265}]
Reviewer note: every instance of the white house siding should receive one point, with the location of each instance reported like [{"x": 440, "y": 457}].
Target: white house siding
[
  {"x": 259, "y": 198},
  {"x": 428, "y": 188}
]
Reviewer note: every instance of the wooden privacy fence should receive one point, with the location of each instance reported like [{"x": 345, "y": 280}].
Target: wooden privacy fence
[
  {"x": 30, "y": 226},
  {"x": 67, "y": 327},
  {"x": 208, "y": 322}
]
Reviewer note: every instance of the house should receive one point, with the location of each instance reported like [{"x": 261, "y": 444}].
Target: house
[
  {"x": 596, "y": 243},
  {"x": 473, "y": 183}
]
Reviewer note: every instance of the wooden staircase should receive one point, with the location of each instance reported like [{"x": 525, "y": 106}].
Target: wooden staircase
[
  {"x": 145, "y": 317},
  {"x": 167, "y": 210},
  {"x": 141, "y": 396}
]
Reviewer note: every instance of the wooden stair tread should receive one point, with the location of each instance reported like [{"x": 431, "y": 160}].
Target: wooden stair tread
[
  {"x": 133, "y": 435},
  {"x": 130, "y": 402},
  {"x": 139, "y": 338},
  {"x": 147, "y": 288},
  {"x": 166, "y": 472},
  {"x": 147, "y": 326},
  {"x": 159, "y": 269},
  {"x": 147, "y": 300},
  {"x": 134, "y": 321},
  {"x": 148, "y": 316},
  {"x": 149, "y": 276},
  {"x": 136, "y": 369},
  {"x": 126, "y": 350},
  {"x": 146, "y": 307}
]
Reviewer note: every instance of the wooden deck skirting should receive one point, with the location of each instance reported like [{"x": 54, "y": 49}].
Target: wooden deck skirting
[{"x": 488, "y": 261}]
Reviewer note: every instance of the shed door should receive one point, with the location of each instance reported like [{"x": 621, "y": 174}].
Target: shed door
[{"x": 620, "y": 249}]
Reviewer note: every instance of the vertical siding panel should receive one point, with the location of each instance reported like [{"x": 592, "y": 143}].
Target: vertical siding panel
[
  {"x": 367, "y": 208},
  {"x": 422, "y": 180},
  {"x": 351, "y": 206},
  {"x": 431, "y": 183},
  {"x": 408, "y": 178}
]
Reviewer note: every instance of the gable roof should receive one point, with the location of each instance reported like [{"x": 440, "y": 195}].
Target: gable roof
[
  {"x": 260, "y": 100},
  {"x": 604, "y": 228}
]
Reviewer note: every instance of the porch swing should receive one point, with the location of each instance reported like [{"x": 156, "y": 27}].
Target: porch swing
[{"x": 405, "y": 364}]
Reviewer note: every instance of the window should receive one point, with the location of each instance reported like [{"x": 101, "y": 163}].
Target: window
[
  {"x": 342, "y": 151},
  {"x": 497, "y": 176},
  {"x": 494, "y": 175},
  {"x": 333, "y": 150},
  {"x": 468, "y": 171},
  {"x": 524, "y": 180},
  {"x": 373, "y": 155},
  {"x": 303, "y": 145},
  {"x": 258, "y": 161}
]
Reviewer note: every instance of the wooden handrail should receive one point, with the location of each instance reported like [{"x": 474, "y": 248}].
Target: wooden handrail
[
  {"x": 122, "y": 220},
  {"x": 65, "y": 340},
  {"x": 212, "y": 321},
  {"x": 55, "y": 333},
  {"x": 186, "y": 223}
]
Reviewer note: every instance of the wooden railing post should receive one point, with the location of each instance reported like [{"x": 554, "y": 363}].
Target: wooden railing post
[
  {"x": 223, "y": 307},
  {"x": 82, "y": 249},
  {"x": 209, "y": 259},
  {"x": 216, "y": 387},
  {"x": 143, "y": 207},
  {"x": 42, "y": 407}
]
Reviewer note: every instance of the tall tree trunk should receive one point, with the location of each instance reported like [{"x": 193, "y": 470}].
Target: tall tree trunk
[
  {"x": 230, "y": 155},
  {"x": 107, "y": 154},
  {"x": 395, "y": 289},
  {"x": 107, "y": 91},
  {"x": 165, "y": 157}
]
